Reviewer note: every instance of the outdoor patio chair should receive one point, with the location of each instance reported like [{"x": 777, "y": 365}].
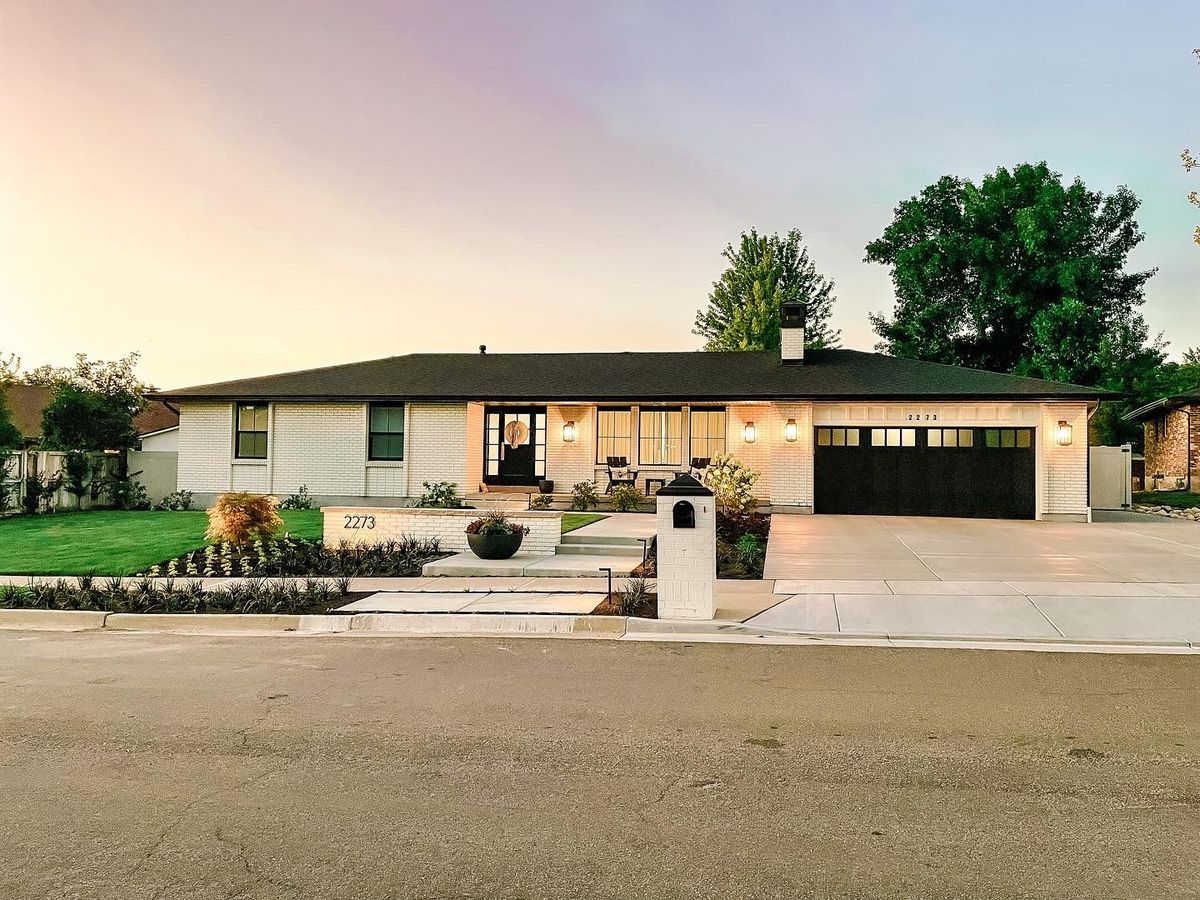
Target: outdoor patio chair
[
  {"x": 696, "y": 467},
  {"x": 619, "y": 473}
]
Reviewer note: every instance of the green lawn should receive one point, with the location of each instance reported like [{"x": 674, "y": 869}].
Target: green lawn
[
  {"x": 573, "y": 520},
  {"x": 113, "y": 543},
  {"x": 1173, "y": 499}
]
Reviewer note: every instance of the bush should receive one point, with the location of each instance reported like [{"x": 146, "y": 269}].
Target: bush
[
  {"x": 627, "y": 498},
  {"x": 496, "y": 523},
  {"x": 583, "y": 496},
  {"x": 302, "y": 499},
  {"x": 440, "y": 495},
  {"x": 176, "y": 501},
  {"x": 240, "y": 518},
  {"x": 541, "y": 501},
  {"x": 39, "y": 491},
  {"x": 125, "y": 493},
  {"x": 145, "y": 596},
  {"x": 634, "y": 599},
  {"x": 732, "y": 483}
]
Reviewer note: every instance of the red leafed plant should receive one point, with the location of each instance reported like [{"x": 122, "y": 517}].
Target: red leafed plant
[
  {"x": 242, "y": 518},
  {"x": 496, "y": 523}
]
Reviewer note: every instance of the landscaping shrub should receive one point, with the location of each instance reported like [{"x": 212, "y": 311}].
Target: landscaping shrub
[
  {"x": 240, "y": 518},
  {"x": 627, "y": 498},
  {"x": 741, "y": 544},
  {"x": 302, "y": 499},
  {"x": 39, "y": 491},
  {"x": 146, "y": 596},
  {"x": 176, "y": 501},
  {"x": 440, "y": 495},
  {"x": 541, "y": 501},
  {"x": 732, "y": 484},
  {"x": 126, "y": 493},
  {"x": 583, "y": 496},
  {"x": 635, "y": 599},
  {"x": 291, "y": 557}
]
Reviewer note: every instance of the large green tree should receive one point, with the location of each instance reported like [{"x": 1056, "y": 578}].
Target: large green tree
[
  {"x": 94, "y": 404},
  {"x": 10, "y": 437},
  {"x": 763, "y": 271},
  {"x": 1021, "y": 273}
]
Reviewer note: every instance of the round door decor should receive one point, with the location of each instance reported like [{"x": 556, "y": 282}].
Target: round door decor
[{"x": 516, "y": 433}]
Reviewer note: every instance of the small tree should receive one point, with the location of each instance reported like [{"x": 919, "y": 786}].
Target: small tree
[{"x": 241, "y": 518}]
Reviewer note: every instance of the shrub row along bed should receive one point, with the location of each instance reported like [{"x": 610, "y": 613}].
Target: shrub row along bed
[
  {"x": 291, "y": 557},
  {"x": 294, "y": 597}
]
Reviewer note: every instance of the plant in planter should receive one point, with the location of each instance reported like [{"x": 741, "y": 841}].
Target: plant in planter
[{"x": 495, "y": 536}]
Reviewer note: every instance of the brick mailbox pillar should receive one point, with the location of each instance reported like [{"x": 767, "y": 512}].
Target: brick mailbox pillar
[{"x": 687, "y": 550}]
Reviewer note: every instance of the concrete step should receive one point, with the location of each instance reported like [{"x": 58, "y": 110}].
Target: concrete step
[
  {"x": 619, "y": 540},
  {"x": 600, "y": 549},
  {"x": 578, "y": 565}
]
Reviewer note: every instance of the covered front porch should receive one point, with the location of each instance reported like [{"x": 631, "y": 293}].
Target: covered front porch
[{"x": 528, "y": 448}]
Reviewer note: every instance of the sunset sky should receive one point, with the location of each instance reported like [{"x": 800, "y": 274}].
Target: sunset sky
[{"x": 245, "y": 187}]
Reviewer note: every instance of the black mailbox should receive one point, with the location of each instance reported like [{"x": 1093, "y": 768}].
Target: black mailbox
[{"x": 683, "y": 515}]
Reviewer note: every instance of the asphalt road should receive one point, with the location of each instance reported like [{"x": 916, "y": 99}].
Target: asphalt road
[{"x": 157, "y": 766}]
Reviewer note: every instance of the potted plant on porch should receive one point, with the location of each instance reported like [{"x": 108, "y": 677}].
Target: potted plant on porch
[{"x": 495, "y": 536}]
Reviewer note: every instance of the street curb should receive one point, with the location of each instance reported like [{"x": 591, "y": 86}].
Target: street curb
[
  {"x": 52, "y": 619},
  {"x": 204, "y": 623},
  {"x": 477, "y": 625}
]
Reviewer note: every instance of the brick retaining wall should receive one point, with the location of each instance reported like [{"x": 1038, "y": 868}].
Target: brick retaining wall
[{"x": 378, "y": 524}]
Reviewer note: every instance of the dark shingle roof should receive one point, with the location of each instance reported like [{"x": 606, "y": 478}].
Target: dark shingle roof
[
  {"x": 824, "y": 374},
  {"x": 1154, "y": 407}
]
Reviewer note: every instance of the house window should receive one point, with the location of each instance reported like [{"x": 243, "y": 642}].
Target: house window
[
  {"x": 1008, "y": 438},
  {"x": 613, "y": 434},
  {"x": 837, "y": 437},
  {"x": 708, "y": 433},
  {"x": 950, "y": 437},
  {"x": 660, "y": 437},
  {"x": 251, "y": 438},
  {"x": 386, "y": 439},
  {"x": 893, "y": 437}
]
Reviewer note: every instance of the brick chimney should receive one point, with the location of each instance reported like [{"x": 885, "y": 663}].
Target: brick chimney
[{"x": 791, "y": 332}]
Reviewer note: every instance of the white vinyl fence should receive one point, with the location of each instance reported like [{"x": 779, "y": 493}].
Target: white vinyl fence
[{"x": 1110, "y": 477}]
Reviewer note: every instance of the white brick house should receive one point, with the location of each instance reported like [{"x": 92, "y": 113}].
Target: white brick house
[{"x": 828, "y": 430}]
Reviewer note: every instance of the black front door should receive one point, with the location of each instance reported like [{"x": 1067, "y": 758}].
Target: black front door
[
  {"x": 514, "y": 444},
  {"x": 897, "y": 471}
]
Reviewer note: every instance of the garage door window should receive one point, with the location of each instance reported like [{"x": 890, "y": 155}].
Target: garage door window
[
  {"x": 893, "y": 437},
  {"x": 837, "y": 437},
  {"x": 950, "y": 437},
  {"x": 1008, "y": 438}
]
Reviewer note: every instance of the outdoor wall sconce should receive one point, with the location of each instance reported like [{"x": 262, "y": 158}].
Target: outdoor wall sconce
[
  {"x": 749, "y": 433},
  {"x": 569, "y": 433},
  {"x": 791, "y": 431},
  {"x": 1063, "y": 434}
]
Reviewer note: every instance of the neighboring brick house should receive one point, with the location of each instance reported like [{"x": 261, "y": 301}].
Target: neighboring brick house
[
  {"x": 828, "y": 430},
  {"x": 1171, "y": 427}
]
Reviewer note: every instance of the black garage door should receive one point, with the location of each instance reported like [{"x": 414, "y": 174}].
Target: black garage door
[{"x": 978, "y": 472}]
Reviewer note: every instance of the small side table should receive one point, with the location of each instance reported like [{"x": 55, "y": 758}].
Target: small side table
[{"x": 650, "y": 482}]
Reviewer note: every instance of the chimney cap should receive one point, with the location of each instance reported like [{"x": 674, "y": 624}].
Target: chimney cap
[{"x": 792, "y": 313}]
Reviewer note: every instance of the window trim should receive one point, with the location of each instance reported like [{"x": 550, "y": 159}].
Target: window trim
[
  {"x": 629, "y": 457},
  {"x": 403, "y": 432},
  {"x": 238, "y": 431},
  {"x": 692, "y": 410},
  {"x": 663, "y": 410}
]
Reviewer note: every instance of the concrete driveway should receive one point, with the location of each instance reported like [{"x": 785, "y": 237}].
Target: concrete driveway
[{"x": 916, "y": 549}]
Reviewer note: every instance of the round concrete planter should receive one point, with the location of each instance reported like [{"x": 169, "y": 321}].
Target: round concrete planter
[{"x": 495, "y": 546}]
